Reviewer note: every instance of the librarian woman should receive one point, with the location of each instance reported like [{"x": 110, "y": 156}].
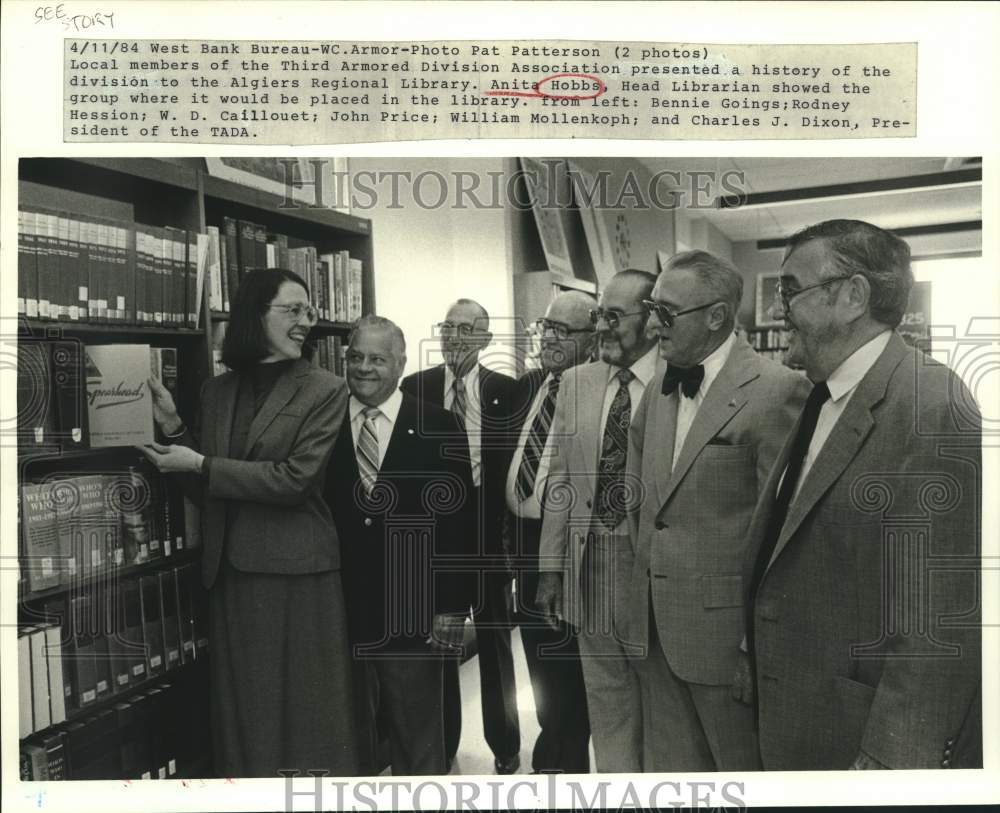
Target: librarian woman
[{"x": 280, "y": 676}]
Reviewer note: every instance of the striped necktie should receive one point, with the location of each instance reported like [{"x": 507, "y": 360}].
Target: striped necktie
[
  {"x": 611, "y": 497},
  {"x": 367, "y": 450},
  {"x": 535, "y": 443},
  {"x": 458, "y": 402}
]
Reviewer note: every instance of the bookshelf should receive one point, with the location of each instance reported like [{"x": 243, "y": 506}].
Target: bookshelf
[
  {"x": 112, "y": 618},
  {"x": 770, "y": 342}
]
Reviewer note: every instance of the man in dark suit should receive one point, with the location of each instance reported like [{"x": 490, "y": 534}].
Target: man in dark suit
[
  {"x": 864, "y": 576},
  {"x": 702, "y": 444},
  {"x": 400, "y": 489},
  {"x": 483, "y": 400},
  {"x": 553, "y": 655}
]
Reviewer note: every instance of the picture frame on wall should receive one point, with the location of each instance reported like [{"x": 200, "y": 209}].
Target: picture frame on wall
[
  {"x": 549, "y": 189},
  {"x": 270, "y": 174},
  {"x": 766, "y": 290}
]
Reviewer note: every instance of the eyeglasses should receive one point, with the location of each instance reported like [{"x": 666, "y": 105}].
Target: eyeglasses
[
  {"x": 785, "y": 295},
  {"x": 613, "y": 318},
  {"x": 449, "y": 329},
  {"x": 667, "y": 316},
  {"x": 544, "y": 327},
  {"x": 298, "y": 310}
]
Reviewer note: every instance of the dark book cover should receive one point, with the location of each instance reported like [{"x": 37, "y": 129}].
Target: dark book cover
[
  {"x": 47, "y": 264},
  {"x": 82, "y": 652},
  {"x": 185, "y": 612},
  {"x": 144, "y": 733},
  {"x": 119, "y": 662},
  {"x": 65, "y": 271},
  {"x": 136, "y": 517},
  {"x": 169, "y": 619},
  {"x": 152, "y": 626},
  {"x": 34, "y": 762},
  {"x": 131, "y": 637},
  {"x": 260, "y": 247},
  {"x": 248, "y": 246},
  {"x": 145, "y": 274},
  {"x": 231, "y": 237},
  {"x": 79, "y": 271},
  {"x": 161, "y": 747},
  {"x": 100, "y": 598},
  {"x": 92, "y": 746},
  {"x": 36, "y": 419},
  {"x": 128, "y": 752},
  {"x": 40, "y": 529},
  {"x": 69, "y": 392},
  {"x": 124, "y": 271},
  {"x": 55, "y": 755}
]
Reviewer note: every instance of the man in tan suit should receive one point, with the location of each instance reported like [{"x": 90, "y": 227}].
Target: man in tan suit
[
  {"x": 584, "y": 556},
  {"x": 863, "y": 580},
  {"x": 703, "y": 442}
]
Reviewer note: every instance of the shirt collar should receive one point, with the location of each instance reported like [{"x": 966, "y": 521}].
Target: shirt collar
[
  {"x": 644, "y": 369},
  {"x": 856, "y": 366},
  {"x": 389, "y": 407},
  {"x": 715, "y": 361}
]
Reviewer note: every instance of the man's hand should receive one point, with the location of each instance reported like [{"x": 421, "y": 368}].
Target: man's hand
[
  {"x": 172, "y": 458},
  {"x": 863, "y": 762},
  {"x": 549, "y": 598},
  {"x": 743, "y": 681},
  {"x": 448, "y": 633}
]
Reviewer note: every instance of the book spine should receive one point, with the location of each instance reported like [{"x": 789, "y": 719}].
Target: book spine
[
  {"x": 149, "y": 596},
  {"x": 84, "y": 667},
  {"x": 27, "y": 266},
  {"x": 54, "y": 667},
  {"x": 45, "y": 258},
  {"x": 78, "y": 271},
  {"x": 169, "y": 620},
  {"x": 39, "y": 680},
  {"x": 248, "y": 247},
  {"x": 233, "y": 267},
  {"x": 26, "y": 713}
]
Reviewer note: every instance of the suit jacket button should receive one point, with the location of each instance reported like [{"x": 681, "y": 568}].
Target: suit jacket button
[
  {"x": 949, "y": 742},
  {"x": 368, "y": 522},
  {"x": 945, "y": 763},
  {"x": 589, "y": 504},
  {"x": 648, "y": 575}
]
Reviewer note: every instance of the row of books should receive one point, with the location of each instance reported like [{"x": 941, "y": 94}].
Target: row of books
[
  {"x": 76, "y": 528},
  {"x": 108, "y": 640},
  {"x": 158, "y": 733},
  {"x": 82, "y": 268},
  {"x": 327, "y": 352},
  {"x": 334, "y": 278},
  {"x": 768, "y": 339},
  {"x": 77, "y": 396}
]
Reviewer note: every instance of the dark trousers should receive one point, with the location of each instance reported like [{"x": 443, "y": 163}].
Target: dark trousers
[
  {"x": 400, "y": 699},
  {"x": 554, "y": 667},
  {"x": 492, "y": 619}
]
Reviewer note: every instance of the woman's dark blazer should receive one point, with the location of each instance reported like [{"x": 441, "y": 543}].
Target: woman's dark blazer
[{"x": 270, "y": 505}]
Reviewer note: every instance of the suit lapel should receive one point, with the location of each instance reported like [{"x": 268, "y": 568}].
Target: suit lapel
[
  {"x": 225, "y": 413},
  {"x": 284, "y": 388},
  {"x": 590, "y": 397},
  {"x": 660, "y": 442},
  {"x": 404, "y": 430},
  {"x": 722, "y": 401},
  {"x": 844, "y": 442}
]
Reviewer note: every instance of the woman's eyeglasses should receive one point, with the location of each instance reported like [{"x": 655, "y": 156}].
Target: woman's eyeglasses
[{"x": 298, "y": 310}]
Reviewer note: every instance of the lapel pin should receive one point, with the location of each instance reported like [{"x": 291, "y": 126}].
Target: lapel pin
[
  {"x": 732, "y": 403},
  {"x": 409, "y": 431},
  {"x": 496, "y": 401}
]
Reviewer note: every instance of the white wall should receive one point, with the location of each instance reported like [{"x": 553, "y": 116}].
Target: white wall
[{"x": 425, "y": 258}]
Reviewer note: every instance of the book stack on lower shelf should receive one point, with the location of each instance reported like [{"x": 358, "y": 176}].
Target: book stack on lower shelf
[
  {"x": 98, "y": 642},
  {"x": 770, "y": 342}
]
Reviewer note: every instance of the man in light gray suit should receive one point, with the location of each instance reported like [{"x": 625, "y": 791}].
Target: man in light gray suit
[
  {"x": 863, "y": 579},
  {"x": 584, "y": 557},
  {"x": 703, "y": 441}
]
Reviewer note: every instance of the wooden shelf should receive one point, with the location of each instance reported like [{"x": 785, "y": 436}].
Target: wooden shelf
[
  {"x": 49, "y": 328},
  {"x": 176, "y": 673},
  {"x": 231, "y": 192},
  {"x": 113, "y": 576}
]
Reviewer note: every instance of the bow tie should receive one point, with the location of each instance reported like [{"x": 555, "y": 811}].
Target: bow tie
[{"x": 688, "y": 378}]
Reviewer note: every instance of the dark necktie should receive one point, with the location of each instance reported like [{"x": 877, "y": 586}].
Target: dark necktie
[
  {"x": 611, "y": 499},
  {"x": 688, "y": 378},
  {"x": 458, "y": 403},
  {"x": 535, "y": 443}
]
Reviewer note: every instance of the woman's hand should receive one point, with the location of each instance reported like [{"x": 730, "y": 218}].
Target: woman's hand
[
  {"x": 173, "y": 458},
  {"x": 164, "y": 408}
]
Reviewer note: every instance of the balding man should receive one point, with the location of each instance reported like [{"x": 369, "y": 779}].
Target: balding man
[
  {"x": 484, "y": 401},
  {"x": 400, "y": 497},
  {"x": 553, "y": 656},
  {"x": 702, "y": 442}
]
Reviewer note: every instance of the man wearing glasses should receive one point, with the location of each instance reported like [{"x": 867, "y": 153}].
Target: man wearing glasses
[
  {"x": 585, "y": 560},
  {"x": 484, "y": 401},
  {"x": 703, "y": 441},
  {"x": 553, "y": 657},
  {"x": 863, "y": 589}
]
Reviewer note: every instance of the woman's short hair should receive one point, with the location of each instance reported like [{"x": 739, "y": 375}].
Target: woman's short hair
[{"x": 245, "y": 343}]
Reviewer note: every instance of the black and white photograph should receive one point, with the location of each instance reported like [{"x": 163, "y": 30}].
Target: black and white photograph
[{"x": 274, "y": 517}]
